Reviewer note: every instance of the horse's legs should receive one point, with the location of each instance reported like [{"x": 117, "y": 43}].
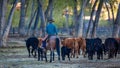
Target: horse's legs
[{"x": 51, "y": 55}]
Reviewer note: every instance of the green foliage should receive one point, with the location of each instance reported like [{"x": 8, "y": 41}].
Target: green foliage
[
  {"x": 59, "y": 7},
  {"x": 16, "y": 18},
  {"x": 104, "y": 23}
]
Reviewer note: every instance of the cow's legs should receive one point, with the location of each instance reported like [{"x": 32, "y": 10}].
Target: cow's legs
[{"x": 28, "y": 48}]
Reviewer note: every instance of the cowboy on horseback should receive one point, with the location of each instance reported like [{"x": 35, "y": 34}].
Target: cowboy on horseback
[
  {"x": 51, "y": 30},
  {"x": 52, "y": 40}
]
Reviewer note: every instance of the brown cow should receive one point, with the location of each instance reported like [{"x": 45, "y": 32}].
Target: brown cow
[
  {"x": 80, "y": 44},
  {"x": 69, "y": 43},
  {"x": 40, "y": 42}
]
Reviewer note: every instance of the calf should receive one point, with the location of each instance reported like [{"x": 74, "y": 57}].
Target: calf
[
  {"x": 42, "y": 50},
  {"x": 65, "y": 51},
  {"x": 42, "y": 54}
]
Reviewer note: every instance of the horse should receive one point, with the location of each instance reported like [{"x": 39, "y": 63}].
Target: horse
[{"x": 52, "y": 44}]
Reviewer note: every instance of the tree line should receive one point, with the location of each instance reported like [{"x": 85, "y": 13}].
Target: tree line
[{"x": 43, "y": 13}]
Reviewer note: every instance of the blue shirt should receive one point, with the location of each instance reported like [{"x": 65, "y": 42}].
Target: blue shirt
[{"x": 51, "y": 29}]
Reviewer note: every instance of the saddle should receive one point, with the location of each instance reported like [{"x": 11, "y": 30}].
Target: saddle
[{"x": 44, "y": 43}]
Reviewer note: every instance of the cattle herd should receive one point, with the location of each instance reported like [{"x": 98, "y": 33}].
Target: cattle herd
[{"x": 73, "y": 47}]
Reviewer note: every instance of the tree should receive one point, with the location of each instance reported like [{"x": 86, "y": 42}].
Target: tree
[
  {"x": 95, "y": 23},
  {"x": 36, "y": 21},
  {"x": 116, "y": 24},
  {"x": 31, "y": 21},
  {"x": 80, "y": 18},
  {"x": 107, "y": 11},
  {"x": 91, "y": 19},
  {"x": 42, "y": 17},
  {"x": 3, "y": 14},
  {"x": 9, "y": 23},
  {"x": 1, "y": 22},
  {"x": 3, "y": 5},
  {"x": 49, "y": 10},
  {"x": 21, "y": 29}
]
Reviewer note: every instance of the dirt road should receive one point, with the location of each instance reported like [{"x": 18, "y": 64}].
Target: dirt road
[{"x": 18, "y": 58}]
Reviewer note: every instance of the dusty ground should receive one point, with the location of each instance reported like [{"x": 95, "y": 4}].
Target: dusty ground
[{"x": 17, "y": 57}]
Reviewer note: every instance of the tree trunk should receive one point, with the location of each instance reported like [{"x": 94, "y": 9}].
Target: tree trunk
[
  {"x": 80, "y": 19},
  {"x": 75, "y": 18},
  {"x": 22, "y": 19},
  {"x": 31, "y": 21},
  {"x": 67, "y": 21},
  {"x": 90, "y": 24},
  {"x": 9, "y": 22},
  {"x": 116, "y": 24},
  {"x": 36, "y": 22},
  {"x": 3, "y": 17},
  {"x": 42, "y": 17},
  {"x": 49, "y": 10},
  {"x": 95, "y": 23},
  {"x": 1, "y": 22},
  {"x": 107, "y": 11},
  {"x": 113, "y": 18}
]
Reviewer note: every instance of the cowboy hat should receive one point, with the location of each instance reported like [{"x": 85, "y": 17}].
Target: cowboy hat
[{"x": 51, "y": 20}]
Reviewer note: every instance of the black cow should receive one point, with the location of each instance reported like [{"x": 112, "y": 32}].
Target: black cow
[
  {"x": 111, "y": 46},
  {"x": 42, "y": 54},
  {"x": 32, "y": 42},
  {"x": 65, "y": 51},
  {"x": 99, "y": 47},
  {"x": 92, "y": 46},
  {"x": 118, "y": 40}
]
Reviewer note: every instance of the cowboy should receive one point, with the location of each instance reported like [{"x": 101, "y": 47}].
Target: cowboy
[{"x": 51, "y": 30}]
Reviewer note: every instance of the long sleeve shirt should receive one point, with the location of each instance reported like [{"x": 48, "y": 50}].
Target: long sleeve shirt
[{"x": 51, "y": 29}]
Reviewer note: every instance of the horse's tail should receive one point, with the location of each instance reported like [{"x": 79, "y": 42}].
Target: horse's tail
[{"x": 58, "y": 46}]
